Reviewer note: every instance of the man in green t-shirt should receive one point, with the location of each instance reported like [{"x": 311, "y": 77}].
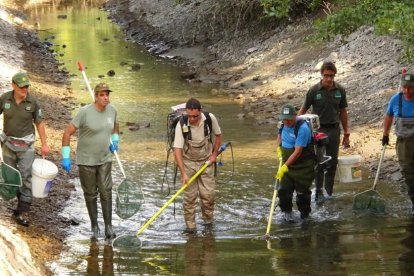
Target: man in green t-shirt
[
  {"x": 328, "y": 101},
  {"x": 21, "y": 113},
  {"x": 97, "y": 124}
]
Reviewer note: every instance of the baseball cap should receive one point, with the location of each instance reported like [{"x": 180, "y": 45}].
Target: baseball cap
[
  {"x": 287, "y": 112},
  {"x": 102, "y": 87},
  {"x": 21, "y": 79},
  {"x": 407, "y": 80}
]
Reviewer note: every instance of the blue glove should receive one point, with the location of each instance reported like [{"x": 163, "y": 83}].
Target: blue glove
[
  {"x": 114, "y": 145},
  {"x": 66, "y": 163}
]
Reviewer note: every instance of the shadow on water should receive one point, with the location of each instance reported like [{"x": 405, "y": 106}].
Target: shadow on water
[{"x": 335, "y": 240}]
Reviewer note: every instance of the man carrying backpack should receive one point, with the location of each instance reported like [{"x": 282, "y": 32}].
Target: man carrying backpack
[
  {"x": 193, "y": 147},
  {"x": 298, "y": 168}
]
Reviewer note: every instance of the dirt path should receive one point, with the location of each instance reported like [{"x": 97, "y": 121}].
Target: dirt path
[{"x": 46, "y": 233}]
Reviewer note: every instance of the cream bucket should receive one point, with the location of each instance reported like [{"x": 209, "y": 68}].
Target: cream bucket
[
  {"x": 349, "y": 168},
  {"x": 43, "y": 173}
]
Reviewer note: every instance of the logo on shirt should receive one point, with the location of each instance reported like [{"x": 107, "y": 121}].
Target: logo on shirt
[
  {"x": 337, "y": 94},
  {"x": 7, "y": 106},
  {"x": 28, "y": 108},
  {"x": 109, "y": 121},
  {"x": 318, "y": 96}
]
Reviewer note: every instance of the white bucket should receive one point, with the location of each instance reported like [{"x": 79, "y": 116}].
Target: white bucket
[
  {"x": 349, "y": 168},
  {"x": 43, "y": 172}
]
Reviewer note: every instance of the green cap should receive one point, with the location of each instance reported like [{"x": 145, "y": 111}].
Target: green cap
[
  {"x": 102, "y": 87},
  {"x": 407, "y": 80},
  {"x": 287, "y": 112},
  {"x": 21, "y": 79}
]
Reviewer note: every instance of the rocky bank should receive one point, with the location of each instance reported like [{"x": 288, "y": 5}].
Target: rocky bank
[
  {"x": 29, "y": 250},
  {"x": 260, "y": 67},
  {"x": 263, "y": 68}
]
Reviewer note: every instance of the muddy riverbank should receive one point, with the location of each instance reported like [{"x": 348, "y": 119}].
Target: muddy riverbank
[
  {"x": 268, "y": 67},
  {"x": 20, "y": 49}
]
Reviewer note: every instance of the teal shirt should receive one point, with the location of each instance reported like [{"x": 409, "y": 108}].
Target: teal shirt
[
  {"x": 326, "y": 104},
  {"x": 95, "y": 130}
]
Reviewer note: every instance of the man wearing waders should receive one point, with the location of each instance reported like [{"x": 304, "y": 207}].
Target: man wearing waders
[
  {"x": 328, "y": 101},
  {"x": 21, "y": 112},
  {"x": 299, "y": 160},
  {"x": 193, "y": 147},
  {"x": 97, "y": 124},
  {"x": 401, "y": 106}
]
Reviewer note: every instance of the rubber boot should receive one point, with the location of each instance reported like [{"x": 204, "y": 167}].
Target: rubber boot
[
  {"x": 107, "y": 215},
  {"x": 92, "y": 207}
]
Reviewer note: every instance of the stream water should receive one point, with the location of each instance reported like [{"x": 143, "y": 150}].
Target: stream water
[{"x": 335, "y": 241}]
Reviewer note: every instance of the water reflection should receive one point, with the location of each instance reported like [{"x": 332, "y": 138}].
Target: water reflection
[
  {"x": 93, "y": 261},
  {"x": 406, "y": 260},
  {"x": 200, "y": 257}
]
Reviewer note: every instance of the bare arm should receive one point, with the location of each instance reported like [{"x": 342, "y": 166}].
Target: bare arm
[
  {"x": 116, "y": 128},
  {"x": 302, "y": 110},
  {"x": 294, "y": 156},
  {"x": 69, "y": 131},
  {"x": 42, "y": 133},
  {"x": 217, "y": 144},
  {"x": 178, "y": 154},
  {"x": 387, "y": 124},
  {"x": 343, "y": 116}
]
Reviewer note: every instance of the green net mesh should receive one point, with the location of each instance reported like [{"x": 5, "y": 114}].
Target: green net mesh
[
  {"x": 129, "y": 199},
  {"x": 127, "y": 242},
  {"x": 369, "y": 201},
  {"x": 10, "y": 181}
]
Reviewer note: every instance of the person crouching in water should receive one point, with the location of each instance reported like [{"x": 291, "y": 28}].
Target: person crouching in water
[{"x": 298, "y": 163}]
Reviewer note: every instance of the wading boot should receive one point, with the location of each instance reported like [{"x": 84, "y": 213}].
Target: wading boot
[
  {"x": 107, "y": 215},
  {"x": 319, "y": 196},
  {"x": 92, "y": 206},
  {"x": 288, "y": 216}
]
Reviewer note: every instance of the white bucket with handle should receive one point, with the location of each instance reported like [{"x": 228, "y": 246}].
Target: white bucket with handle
[
  {"x": 349, "y": 168},
  {"x": 43, "y": 173}
]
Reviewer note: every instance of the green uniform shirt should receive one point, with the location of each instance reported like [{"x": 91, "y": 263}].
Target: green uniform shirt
[
  {"x": 326, "y": 104},
  {"x": 95, "y": 130},
  {"x": 19, "y": 118}
]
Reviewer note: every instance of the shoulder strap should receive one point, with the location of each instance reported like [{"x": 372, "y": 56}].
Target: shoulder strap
[
  {"x": 298, "y": 124},
  {"x": 208, "y": 125},
  {"x": 400, "y": 95},
  {"x": 184, "y": 120}
]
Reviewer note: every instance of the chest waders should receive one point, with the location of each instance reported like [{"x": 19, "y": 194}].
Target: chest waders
[
  {"x": 404, "y": 129},
  {"x": 299, "y": 178}
]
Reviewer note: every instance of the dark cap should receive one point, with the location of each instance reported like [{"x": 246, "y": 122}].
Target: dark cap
[
  {"x": 21, "y": 79},
  {"x": 287, "y": 112},
  {"x": 407, "y": 80},
  {"x": 102, "y": 87}
]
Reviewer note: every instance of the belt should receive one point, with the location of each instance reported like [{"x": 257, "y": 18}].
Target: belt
[{"x": 335, "y": 125}]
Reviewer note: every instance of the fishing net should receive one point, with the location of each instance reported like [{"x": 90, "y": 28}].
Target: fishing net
[
  {"x": 127, "y": 243},
  {"x": 369, "y": 200},
  {"x": 129, "y": 199},
  {"x": 10, "y": 181}
]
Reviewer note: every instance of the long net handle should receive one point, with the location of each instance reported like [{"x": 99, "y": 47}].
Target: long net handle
[
  {"x": 379, "y": 167},
  {"x": 272, "y": 207},
  {"x": 222, "y": 148},
  {"x": 82, "y": 69},
  {"x": 172, "y": 198}
]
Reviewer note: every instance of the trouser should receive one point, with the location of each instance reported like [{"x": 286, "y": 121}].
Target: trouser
[
  {"x": 97, "y": 180},
  {"x": 22, "y": 161},
  {"x": 405, "y": 153},
  {"x": 332, "y": 149},
  {"x": 299, "y": 178},
  {"x": 203, "y": 186}
]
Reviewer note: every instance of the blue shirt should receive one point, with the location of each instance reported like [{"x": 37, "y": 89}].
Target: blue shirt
[
  {"x": 289, "y": 139},
  {"x": 407, "y": 107}
]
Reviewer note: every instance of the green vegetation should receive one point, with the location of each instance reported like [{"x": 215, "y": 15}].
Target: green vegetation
[{"x": 389, "y": 17}]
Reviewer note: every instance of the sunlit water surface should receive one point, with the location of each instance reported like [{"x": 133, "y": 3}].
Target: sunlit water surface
[{"x": 335, "y": 241}]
